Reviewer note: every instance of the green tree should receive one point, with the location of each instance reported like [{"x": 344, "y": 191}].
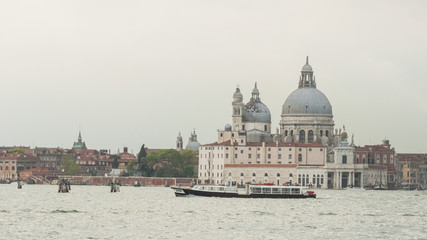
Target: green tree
[
  {"x": 69, "y": 165},
  {"x": 170, "y": 163},
  {"x": 142, "y": 153},
  {"x": 130, "y": 168},
  {"x": 17, "y": 150},
  {"x": 115, "y": 161}
]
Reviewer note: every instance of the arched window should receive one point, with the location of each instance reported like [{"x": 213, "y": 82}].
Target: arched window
[
  {"x": 286, "y": 132},
  {"x": 278, "y": 175},
  {"x": 310, "y": 136},
  {"x": 242, "y": 175},
  {"x": 300, "y": 157},
  {"x": 302, "y": 136},
  {"x": 292, "y": 132},
  {"x": 265, "y": 174},
  {"x": 253, "y": 175},
  {"x": 229, "y": 174},
  {"x": 321, "y": 133},
  {"x": 290, "y": 175},
  {"x": 327, "y": 133}
]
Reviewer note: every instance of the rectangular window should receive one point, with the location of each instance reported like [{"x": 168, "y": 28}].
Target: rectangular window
[
  {"x": 309, "y": 149},
  {"x": 280, "y": 149},
  {"x": 344, "y": 159},
  {"x": 258, "y": 156},
  {"x": 226, "y": 155},
  {"x": 290, "y": 156},
  {"x": 249, "y": 155},
  {"x": 269, "y": 149},
  {"x": 280, "y": 156},
  {"x": 241, "y": 151},
  {"x": 235, "y": 155},
  {"x": 269, "y": 156},
  {"x": 385, "y": 159}
]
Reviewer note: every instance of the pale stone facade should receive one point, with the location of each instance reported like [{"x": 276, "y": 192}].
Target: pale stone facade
[{"x": 307, "y": 150}]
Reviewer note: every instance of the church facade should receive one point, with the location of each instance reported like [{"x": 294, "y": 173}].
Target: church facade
[{"x": 305, "y": 150}]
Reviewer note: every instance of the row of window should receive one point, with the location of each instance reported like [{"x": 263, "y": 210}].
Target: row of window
[
  {"x": 213, "y": 174},
  {"x": 258, "y": 149},
  {"x": 305, "y": 179},
  {"x": 310, "y": 135},
  {"x": 7, "y": 168},
  {"x": 213, "y": 166}
]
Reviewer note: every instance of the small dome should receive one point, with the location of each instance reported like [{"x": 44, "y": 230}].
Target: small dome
[
  {"x": 237, "y": 96},
  {"x": 193, "y": 146},
  {"x": 307, "y": 68},
  {"x": 256, "y": 112},
  {"x": 179, "y": 136},
  {"x": 227, "y": 127},
  {"x": 344, "y": 135}
]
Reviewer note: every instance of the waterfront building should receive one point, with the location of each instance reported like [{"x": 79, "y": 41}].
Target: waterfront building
[
  {"x": 412, "y": 170},
  {"x": 304, "y": 150},
  {"x": 125, "y": 158},
  {"x": 49, "y": 158},
  {"x": 8, "y": 167},
  {"x": 378, "y": 164}
]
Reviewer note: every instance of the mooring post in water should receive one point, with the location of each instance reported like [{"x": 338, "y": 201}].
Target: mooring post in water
[{"x": 19, "y": 184}]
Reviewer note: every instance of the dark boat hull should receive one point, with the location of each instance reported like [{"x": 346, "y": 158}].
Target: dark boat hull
[{"x": 188, "y": 192}]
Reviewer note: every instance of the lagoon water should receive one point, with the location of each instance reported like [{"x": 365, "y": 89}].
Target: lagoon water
[{"x": 92, "y": 212}]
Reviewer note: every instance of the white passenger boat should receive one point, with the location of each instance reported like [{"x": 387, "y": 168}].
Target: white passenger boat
[{"x": 250, "y": 191}]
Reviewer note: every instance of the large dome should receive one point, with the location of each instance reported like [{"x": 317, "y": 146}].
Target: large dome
[
  {"x": 307, "y": 101},
  {"x": 256, "y": 112}
]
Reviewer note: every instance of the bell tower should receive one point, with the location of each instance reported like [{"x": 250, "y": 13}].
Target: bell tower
[{"x": 237, "y": 110}]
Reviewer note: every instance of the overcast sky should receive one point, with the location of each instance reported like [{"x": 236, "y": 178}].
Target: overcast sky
[{"x": 129, "y": 73}]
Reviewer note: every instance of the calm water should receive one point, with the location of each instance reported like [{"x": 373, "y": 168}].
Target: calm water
[{"x": 92, "y": 212}]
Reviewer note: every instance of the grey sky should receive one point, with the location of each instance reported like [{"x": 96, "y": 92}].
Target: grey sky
[{"x": 134, "y": 72}]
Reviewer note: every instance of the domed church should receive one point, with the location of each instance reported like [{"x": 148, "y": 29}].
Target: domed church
[
  {"x": 307, "y": 114},
  {"x": 300, "y": 151}
]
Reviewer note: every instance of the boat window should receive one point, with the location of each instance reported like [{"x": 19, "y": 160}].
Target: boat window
[
  {"x": 295, "y": 190},
  {"x": 256, "y": 190},
  {"x": 286, "y": 190},
  {"x": 266, "y": 190},
  {"x": 276, "y": 191}
]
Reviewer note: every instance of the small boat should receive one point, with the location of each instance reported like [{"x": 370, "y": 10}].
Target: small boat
[{"x": 250, "y": 191}]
